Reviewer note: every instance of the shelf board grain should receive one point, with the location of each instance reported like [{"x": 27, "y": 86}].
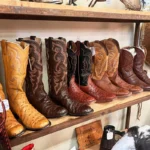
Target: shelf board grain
[
  {"x": 68, "y": 121},
  {"x": 44, "y": 11}
]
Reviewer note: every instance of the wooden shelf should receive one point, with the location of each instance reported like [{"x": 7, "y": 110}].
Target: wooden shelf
[
  {"x": 44, "y": 11},
  {"x": 68, "y": 121}
]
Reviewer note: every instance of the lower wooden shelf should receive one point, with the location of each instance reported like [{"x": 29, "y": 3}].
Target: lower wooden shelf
[{"x": 68, "y": 121}]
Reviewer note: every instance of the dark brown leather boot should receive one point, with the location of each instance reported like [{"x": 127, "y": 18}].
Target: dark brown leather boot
[
  {"x": 138, "y": 64},
  {"x": 113, "y": 48},
  {"x": 126, "y": 69},
  {"x": 34, "y": 85},
  {"x": 74, "y": 91},
  {"x": 56, "y": 51},
  {"x": 4, "y": 140},
  {"x": 83, "y": 75},
  {"x": 99, "y": 71}
]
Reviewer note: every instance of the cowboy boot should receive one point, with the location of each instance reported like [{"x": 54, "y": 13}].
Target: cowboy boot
[
  {"x": 4, "y": 140},
  {"x": 15, "y": 58},
  {"x": 99, "y": 71},
  {"x": 83, "y": 75},
  {"x": 13, "y": 127},
  {"x": 138, "y": 65},
  {"x": 126, "y": 69},
  {"x": 56, "y": 51},
  {"x": 73, "y": 89},
  {"x": 113, "y": 48},
  {"x": 34, "y": 85}
]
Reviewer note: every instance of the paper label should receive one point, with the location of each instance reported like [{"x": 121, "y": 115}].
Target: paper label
[
  {"x": 132, "y": 51},
  {"x": 6, "y": 104},
  {"x": 74, "y": 148},
  {"x": 93, "y": 50},
  {"x": 109, "y": 135}
]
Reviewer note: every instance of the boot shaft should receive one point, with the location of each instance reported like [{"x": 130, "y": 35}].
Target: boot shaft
[
  {"x": 56, "y": 52},
  {"x": 34, "y": 68},
  {"x": 15, "y": 58},
  {"x": 113, "y": 49},
  {"x": 139, "y": 60},
  {"x": 72, "y": 60},
  {"x": 100, "y": 60},
  {"x": 84, "y": 63}
]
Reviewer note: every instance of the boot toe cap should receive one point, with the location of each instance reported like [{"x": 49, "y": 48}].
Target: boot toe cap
[
  {"x": 15, "y": 130},
  {"x": 85, "y": 110},
  {"x": 61, "y": 112}
]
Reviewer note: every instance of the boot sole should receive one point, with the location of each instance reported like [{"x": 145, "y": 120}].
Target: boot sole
[
  {"x": 18, "y": 135},
  {"x": 136, "y": 92},
  {"x": 123, "y": 96},
  {"x": 58, "y": 116},
  {"x": 81, "y": 114}
]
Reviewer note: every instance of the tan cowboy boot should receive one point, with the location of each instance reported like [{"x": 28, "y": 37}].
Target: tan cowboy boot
[
  {"x": 13, "y": 127},
  {"x": 15, "y": 58},
  {"x": 113, "y": 48},
  {"x": 99, "y": 71}
]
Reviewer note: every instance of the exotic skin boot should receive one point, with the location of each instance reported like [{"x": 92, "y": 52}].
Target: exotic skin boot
[
  {"x": 73, "y": 89},
  {"x": 34, "y": 85},
  {"x": 126, "y": 69},
  {"x": 99, "y": 71},
  {"x": 13, "y": 127},
  {"x": 56, "y": 51},
  {"x": 15, "y": 58},
  {"x": 83, "y": 75},
  {"x": 113, "y": 48},
  {"x": 4, "y": 140},
  {"x": 138, "y": 65}
]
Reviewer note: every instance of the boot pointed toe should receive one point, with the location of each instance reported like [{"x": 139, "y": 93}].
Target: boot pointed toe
[
  {"x": 86, "y": 110},
  {"x": 61, "y": 112}
]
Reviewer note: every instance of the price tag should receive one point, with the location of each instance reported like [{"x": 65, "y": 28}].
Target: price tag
[
  {"x": 6, "y": 104},
  {"x": 109, "y": 135},
  {"x": 93, "y": 50}
]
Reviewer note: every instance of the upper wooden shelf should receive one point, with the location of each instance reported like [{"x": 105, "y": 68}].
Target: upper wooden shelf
[
  {"x": 68, "y": 121},
  {"x": 44, "y": 11}
]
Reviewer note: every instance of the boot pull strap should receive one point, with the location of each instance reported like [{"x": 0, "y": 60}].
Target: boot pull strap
[
  {"x": 32, "y": 37},
  {"x": 87, "y": 43},
  {"x": 3, "y": 114}
]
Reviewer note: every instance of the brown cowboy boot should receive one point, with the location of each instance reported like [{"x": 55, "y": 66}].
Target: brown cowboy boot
[
  {"x": 13, "y": 127},
  {"x": 56, "y": 51},
  {"x": 4, "y": 140},
  {"x": 99, "y": 71},
  {"x": 74, "y": 91},
  {"x": 15, "y": 58},
  {"x": 138, "y": 65},
  {"x": 34, "y": 85},
  {"x": 126, "y": 69},
  {"x": 113, "y": 48},
  {"x": 83, "y": 75}
]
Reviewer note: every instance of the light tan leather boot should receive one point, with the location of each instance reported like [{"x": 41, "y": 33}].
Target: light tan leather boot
[
  {"x": 13, "y": 127},
  {"x": 15, "y": 58},
  {"x": 99, "y": 71},
  {"x": 113, "y": 48}
]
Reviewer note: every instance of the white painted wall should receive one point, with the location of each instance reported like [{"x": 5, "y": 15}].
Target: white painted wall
[{"x": 10, "y": 30}]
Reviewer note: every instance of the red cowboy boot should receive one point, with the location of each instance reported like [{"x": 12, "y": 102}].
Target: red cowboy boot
[{"x": 74, "y": 91}]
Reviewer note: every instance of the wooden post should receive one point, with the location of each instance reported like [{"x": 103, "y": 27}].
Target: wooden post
[{"x": 136, "y": 43}]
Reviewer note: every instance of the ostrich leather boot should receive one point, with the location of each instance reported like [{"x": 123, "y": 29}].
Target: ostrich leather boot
[
  {"x": 15, "y": 58},
  {"x": 74, "y": 91},
  {"x": 83, "y": 75},
  {"x": 4, "y": 139},
  {"x": 99, "y": 71},
  {"x": 113, "y": 48},
  {"x": 13, "y": 127},
  {"x": 34, "y": 85},
  {"x": 126, "y": 69},
  {"x": 56, "y": 51},
  {"x": 138, "y": 65}
]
